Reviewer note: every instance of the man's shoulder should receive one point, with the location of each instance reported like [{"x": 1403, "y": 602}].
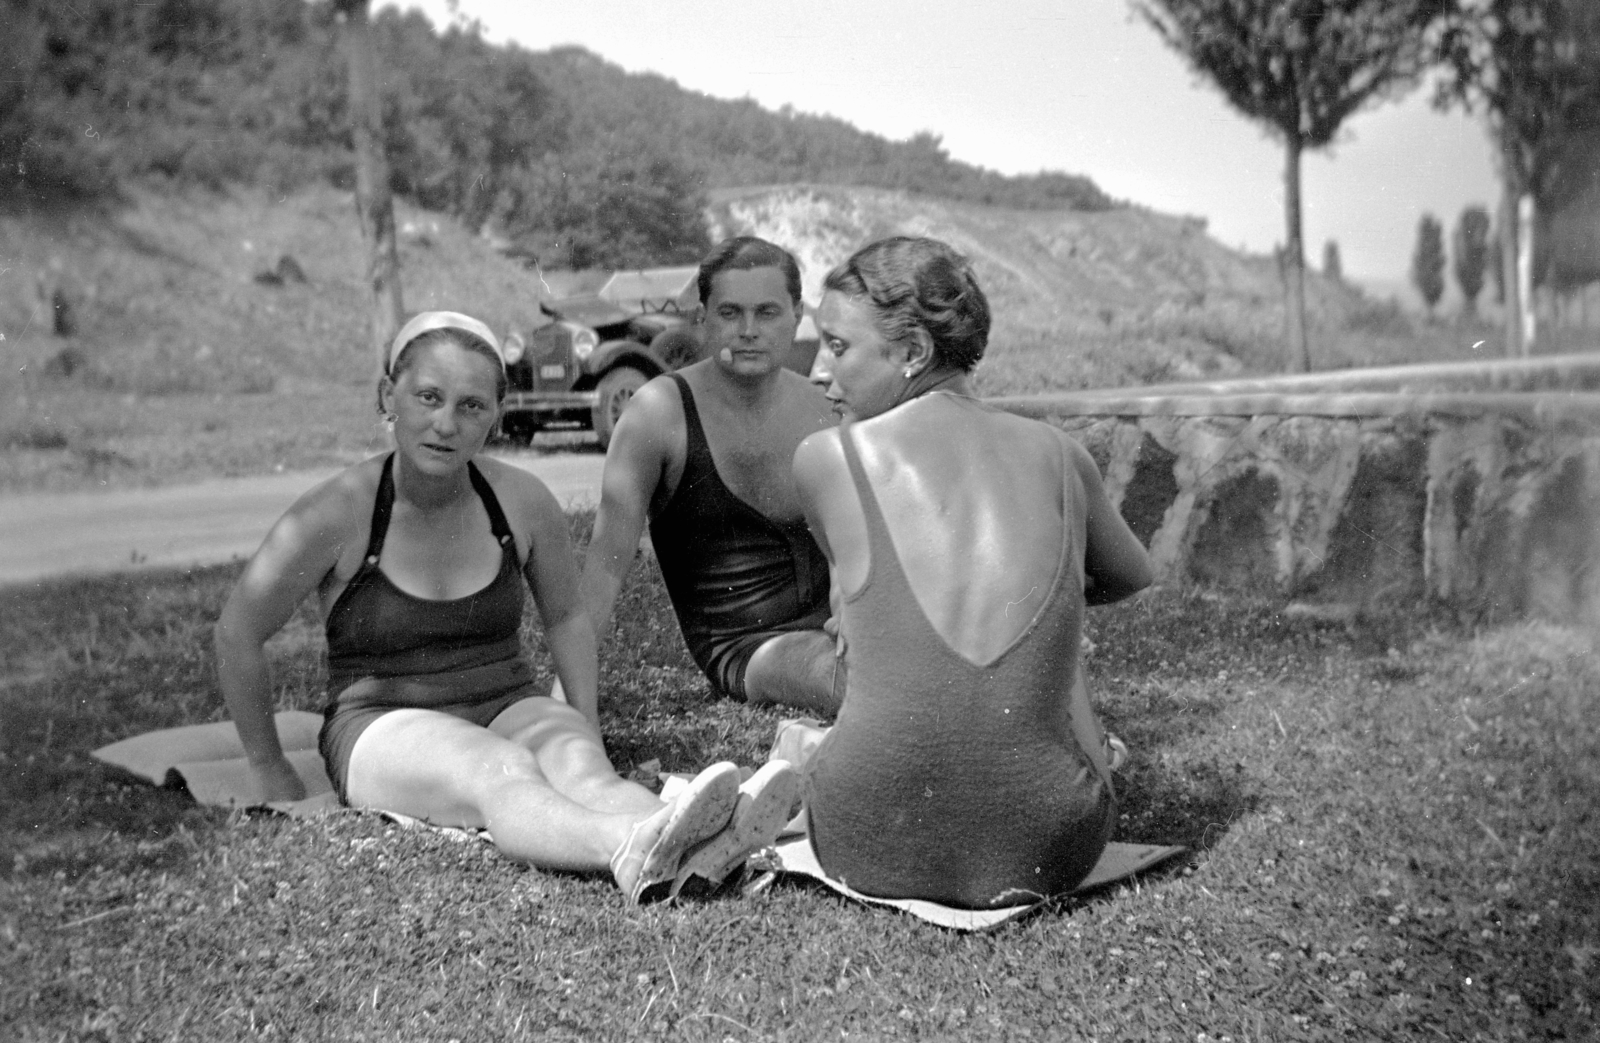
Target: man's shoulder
[
  {"x": 655, "y": 408},
  {"x": 806, "y": 399},
  {"x": 652, "y": 434}
]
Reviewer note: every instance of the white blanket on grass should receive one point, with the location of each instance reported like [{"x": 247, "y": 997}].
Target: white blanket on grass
[{"x": 207, "y": 760}]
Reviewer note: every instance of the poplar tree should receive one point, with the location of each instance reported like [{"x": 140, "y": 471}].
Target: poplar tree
[
  {"x": 1332, "y": 266},
  {"x": 374, "y": 197},
  {"x": 1301, "y": 68},
  {"x": 1533, "y": 66},
  {"x": 1470, "y": 245},
  {"x": 1427, "y": 263}
]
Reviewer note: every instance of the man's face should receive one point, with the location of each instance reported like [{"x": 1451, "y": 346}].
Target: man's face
[{"x": 750, "y": 321}]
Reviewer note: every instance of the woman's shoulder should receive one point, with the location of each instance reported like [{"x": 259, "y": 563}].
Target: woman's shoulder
[
  {"x": 521, "y": 492},
  {"x": 818, "y": 450},
  {"x": 320, "y": 525},
  {"x": 344, "y": 497},
  {"x": 1041, "y": 434}
]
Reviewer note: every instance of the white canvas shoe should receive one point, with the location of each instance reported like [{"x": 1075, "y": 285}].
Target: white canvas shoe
[
  {"x": 655, "y": 848},
  {"x": 766, "y": 802}
]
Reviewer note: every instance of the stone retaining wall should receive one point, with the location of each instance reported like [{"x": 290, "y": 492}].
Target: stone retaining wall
[{"x": 1486, "y": 502}]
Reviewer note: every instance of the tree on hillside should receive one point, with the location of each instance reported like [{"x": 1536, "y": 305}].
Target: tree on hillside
[
  {"x": 1332, "y": 266},
  {"x": 1470, "y": 245},
  {"x": 1427, "y": 263},
  {"x": 374, "y": 201},
  {"x": 1301, "y": 67},
  {"x": 1534, "y": 67},
  {"x": 609, "y": 207},
  {"x": 465, "y": 119},
  {"x": 44, "y": 151}
]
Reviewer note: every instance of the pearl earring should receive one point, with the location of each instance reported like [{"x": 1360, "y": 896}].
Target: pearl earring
[{"x": 908, "y": 373}]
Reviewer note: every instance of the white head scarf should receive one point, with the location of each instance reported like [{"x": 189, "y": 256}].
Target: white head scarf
[{"x": 442, "y": 320}]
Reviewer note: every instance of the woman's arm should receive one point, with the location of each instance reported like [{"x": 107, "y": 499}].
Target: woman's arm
[
  {"x": 552, "y": 574},
  {"x": 298, "y": 552},
  {"x": 814, "y": 462},
  {"x": 1115, "y": 564}
]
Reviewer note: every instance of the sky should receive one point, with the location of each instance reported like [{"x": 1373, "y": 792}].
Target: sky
[{"x": 1081, "y": 86}]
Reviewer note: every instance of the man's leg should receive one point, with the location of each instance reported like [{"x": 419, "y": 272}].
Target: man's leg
[{"x": 796, "y": 669}]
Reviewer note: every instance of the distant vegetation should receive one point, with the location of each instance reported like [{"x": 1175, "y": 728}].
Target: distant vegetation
[{"x": 570, "y": 157}]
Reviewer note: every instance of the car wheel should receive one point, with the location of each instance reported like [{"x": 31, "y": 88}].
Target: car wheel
[
  {"x": 676, "y": 348},
  {"x": 615, "y": 389},
  {"x": 519, "y": 427}
]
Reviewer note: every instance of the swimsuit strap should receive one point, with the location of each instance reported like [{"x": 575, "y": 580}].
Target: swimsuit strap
[
  {"x": 491, "y": 503},
  {"x": 698, "y": 448},
  {"x": 382, "y": 508},
  {"x": 880, "y": 545}
]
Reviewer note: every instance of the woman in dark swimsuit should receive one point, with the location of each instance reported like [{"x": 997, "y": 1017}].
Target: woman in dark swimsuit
[
  {"x": 967, "y": 765},
  {"x": 418, "y": 559}
]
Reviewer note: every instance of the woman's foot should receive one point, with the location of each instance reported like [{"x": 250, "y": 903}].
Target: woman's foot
[
  {"x": 766, "y": 802},
  {"x": 655, "y": 849}
]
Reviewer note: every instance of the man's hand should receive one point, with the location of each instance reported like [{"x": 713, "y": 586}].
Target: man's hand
[{"x": 831, "y": 627}]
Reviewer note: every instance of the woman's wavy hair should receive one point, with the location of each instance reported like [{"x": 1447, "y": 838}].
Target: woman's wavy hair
[{"x": 916, "y": 283}]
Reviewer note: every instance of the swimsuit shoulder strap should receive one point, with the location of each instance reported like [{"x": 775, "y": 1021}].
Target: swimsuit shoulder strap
[
  {"x": 382, "y": 507},
  {"x": 491, "y": 503},
  {"x": 698, "y": 450},
  {"x": 883, "y": 563}
]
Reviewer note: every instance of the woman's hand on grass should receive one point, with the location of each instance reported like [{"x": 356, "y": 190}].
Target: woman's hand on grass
[{"x": 274, "y": 781}]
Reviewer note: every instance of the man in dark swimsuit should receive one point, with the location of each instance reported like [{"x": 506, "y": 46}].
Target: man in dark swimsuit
[{"x": 706, "y": 454}]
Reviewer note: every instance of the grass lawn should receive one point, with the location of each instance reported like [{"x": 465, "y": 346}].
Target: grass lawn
[{"x": 1393, "y": 820}]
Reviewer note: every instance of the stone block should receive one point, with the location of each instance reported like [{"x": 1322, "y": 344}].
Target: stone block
[{"x": 1486, "y": 501}]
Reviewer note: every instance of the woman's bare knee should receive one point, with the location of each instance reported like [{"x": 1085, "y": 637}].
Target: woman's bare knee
[{"x": 437, "y": 767}]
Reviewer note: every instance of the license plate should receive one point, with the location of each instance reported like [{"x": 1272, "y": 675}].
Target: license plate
[{"x": 555, "y": 372}]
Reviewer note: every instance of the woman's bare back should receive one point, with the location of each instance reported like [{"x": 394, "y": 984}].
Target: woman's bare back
[{"x": 978, "y": 504}]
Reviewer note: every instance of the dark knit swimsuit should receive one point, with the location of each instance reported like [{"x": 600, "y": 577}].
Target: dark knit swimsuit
[
  {"x": 389, "y": 650},
  {"x": 944, "y": 779},
  {"x": 736, "y": 577}
]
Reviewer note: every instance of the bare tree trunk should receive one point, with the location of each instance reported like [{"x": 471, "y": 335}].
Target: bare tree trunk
[
  {"x": 374, "y": 201},
  {"x": 1294, "y": 269},
  {"x": 1525, "y": 224},
  {"x": 1508, "y": 268}
]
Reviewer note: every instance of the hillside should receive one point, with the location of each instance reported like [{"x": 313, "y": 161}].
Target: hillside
[
  {"x": 1087, "y": 299},
  {"x": 187, "y": 360},
  {"x": 578, "y": 161},
  {"x": 182, "y": 365}
]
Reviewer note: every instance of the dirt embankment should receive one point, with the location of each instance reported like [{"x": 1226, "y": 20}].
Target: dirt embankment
[
  {"x": 216, "y": 334},
  {"x": 1152, "y": 293}
]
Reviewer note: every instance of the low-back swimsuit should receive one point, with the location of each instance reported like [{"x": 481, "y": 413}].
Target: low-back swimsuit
[
  {"x": 948, "y": 780},
  {"x": 736, "y": 577},
  {"x": 389, "y": 650}
]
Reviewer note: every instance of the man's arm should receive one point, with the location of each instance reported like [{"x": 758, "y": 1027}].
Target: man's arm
[
  {"x": 815, "y": 458},
  {"x": 636, "y": 465}
]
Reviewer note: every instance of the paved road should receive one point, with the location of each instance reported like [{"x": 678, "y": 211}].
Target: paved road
[{"x": 55, "y": 534}]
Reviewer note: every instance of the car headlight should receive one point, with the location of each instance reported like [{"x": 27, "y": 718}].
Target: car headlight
[
  {"x": 584, "y": 341},
  {"x": 514, "y": 347}
]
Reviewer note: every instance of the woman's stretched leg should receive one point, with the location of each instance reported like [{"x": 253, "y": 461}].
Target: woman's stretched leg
[
  {"x": 451, "y": 772},
  {"x": 571, "y": 756}
]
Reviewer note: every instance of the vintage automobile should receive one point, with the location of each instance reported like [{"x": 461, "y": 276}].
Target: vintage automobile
[{"x": 580, "y": 369}]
